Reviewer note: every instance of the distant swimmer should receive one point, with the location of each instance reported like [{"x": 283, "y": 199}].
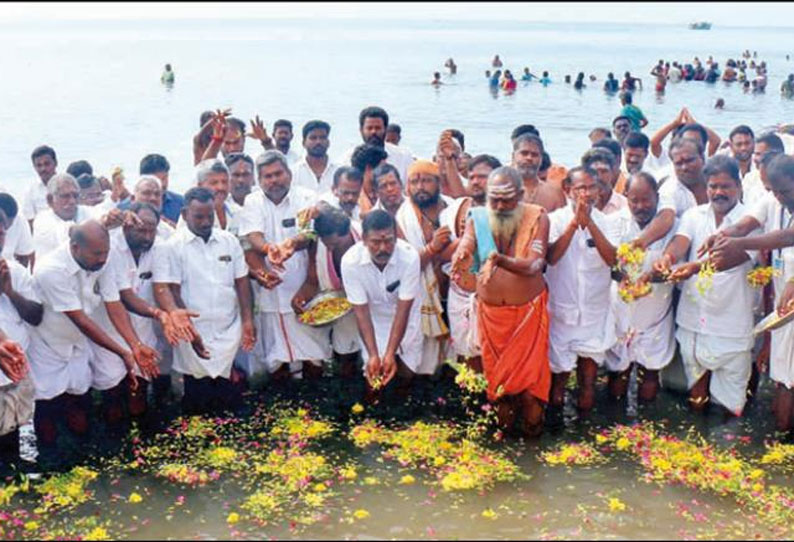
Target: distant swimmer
[
  {"x": 436, "y": 82},
  {"x": 528, "y": 76},
  {"x": 611, "y": 84},
  {"x": 495, "y": 78},
  {"x": 568, "y": 79},
  {"x": 631, "y": 83},
  {"x": 453, "y": 68},
  {"x": 545, "y": 80},
  {"x": 720, "y": 104},
  {"x": 496, "y": 62},
  {"x": 787, "y": 87},
  {"x": 168, "y": 75},
  {"x": 579, "y": 84},
  {"x": 509, "y": 84}
]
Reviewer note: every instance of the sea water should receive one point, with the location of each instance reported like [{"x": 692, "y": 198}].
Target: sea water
[{"x": 91, "y": 89}]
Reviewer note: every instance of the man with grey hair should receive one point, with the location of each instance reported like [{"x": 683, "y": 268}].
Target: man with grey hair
[
  {"x": 275, "y": 223},
  {"x": 51, "y": 227},
  {"x": 505, "y": 244},
  {"x": 149, "y": 190}
]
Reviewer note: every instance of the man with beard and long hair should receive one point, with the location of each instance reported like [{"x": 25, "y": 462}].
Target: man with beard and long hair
[
  {"x": 527, "y": 157},
  {"x": 505, "y": 243},
  {"x": 461, "y": 303},
  {"x": 315, "y": 170},
  {"x": 372, "y": 123},
  {"x": 580, "y": 257},
  {"x": 419, "y": 220}
]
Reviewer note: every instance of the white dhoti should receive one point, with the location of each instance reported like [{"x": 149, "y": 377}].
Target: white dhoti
[
  {"x": 53, "y": 375},
  {"x": 222, "y": 342},
  {"x": 645, "y": 331},
  {"x": 16, "y": 404},
  {"x": 781, "y": 355},
  {"x": 461, "y": 309},
  {"x": 286, "y": 340},
  {"x": 728, "y": 359},
  {"x": 569, "y": 342},
  {"x": 344, "y": 335}
]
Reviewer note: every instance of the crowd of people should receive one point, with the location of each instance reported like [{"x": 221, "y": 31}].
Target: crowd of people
[{"x": 516, "y": 267}]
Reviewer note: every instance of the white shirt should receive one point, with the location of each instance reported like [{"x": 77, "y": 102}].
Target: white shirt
[
  {"x": 59, "y": 350},
  {"x": 616, "y": 203},
  {"x": 206, "y": 272},
  {"x": 302, "y": 175},
  {"x": 649, "y": 310},
  {"x": 396, "y": 156},
  {"x": 330, "y": 198},
  {"x": 19, "y": 240},
  {"x": 365, "y": 284},
  {"x": 278, "y": 223},
  {"x": 773, "y": 216},
  {"x": 50, "y": 230},
  {"x": 579, "y": 282},
  {"x": 292, "y": 157},
  {"x": 674, "y": 194},
  {"x": 10, "y": 320},
  {"x": 726, "y": 309},
  {"x": 34, "y": 200},
  {"x": 753, "y": 189}
]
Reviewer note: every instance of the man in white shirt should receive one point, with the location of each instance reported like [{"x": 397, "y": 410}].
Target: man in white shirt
[
  {"x": 18, "y": 239},
  {"x": 149, "y": 190},
  {"x": 337, "y": 233},
  {"x": 635, "y": 154},
  {"x": 742, "y": 145},
  {"x": 774, "y": 214},
  {"x": 272, "y": 221},
  {"x": 714, "y": 329},
  {"x": 202, "y": 269},
  {"x": 753, "y": 186},
  {"x": 372, "y": 123},
  {"x": 241, "y": 183},
  {"x": 580, "y": 257},
  {"x": 72, "y": 282},
  {"x": 315, "y": 170},
  {"x": 91, "y": 194},
  {"x": 644, "y": 325},
  {"x": 35, "y": 201},
  {"x": 388, "y": 188},
  {"x": 19, "y": 307},
  {"x": 346, "y": 191},
  {"x": 282, "y": 136},
  {"x": 51, "y": 227},
  {"x": 381, "y": 275},
  {"x": 213, "y": 175},
  {"x": 602, "y": 161}
]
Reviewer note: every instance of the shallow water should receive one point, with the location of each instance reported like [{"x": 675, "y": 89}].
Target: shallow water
[
  {"x": 553, "y": 502},
  {"x": 92, "y": 90}
]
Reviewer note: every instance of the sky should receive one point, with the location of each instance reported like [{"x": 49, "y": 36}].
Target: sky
[{"x": 719, "y": 13}]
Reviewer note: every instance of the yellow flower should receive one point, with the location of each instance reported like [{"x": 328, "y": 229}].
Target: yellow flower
[
  {"x": 348, "y": 473},
  {"x": 371, "y": 481},
  {"x": 320, "y": 487},
  {"x": 360, "y": 514},
  {"x": 97, "y": 533},
  {"x": 134, "y": 498},
  {"x": 489, "y": 514},
  {"x": 622, "y": 443},
  {"x": 600, "y": 439},
  {"x": 616, "y": 505},
  {"x": 233, "y": 518},
  {"x": 357, "y": 409},
  {"x": 407, "y": 480},
  {"x": 31, "y": 526}
]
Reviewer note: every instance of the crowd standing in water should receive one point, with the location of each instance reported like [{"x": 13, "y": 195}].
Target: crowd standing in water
[{"x": 524, "y": 269}]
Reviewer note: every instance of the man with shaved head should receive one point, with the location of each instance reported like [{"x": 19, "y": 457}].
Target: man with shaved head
[
  {"x": 72, "y": 282},
  {"x": 505, "y": 245},
  {"x": 149, "y": 190}
]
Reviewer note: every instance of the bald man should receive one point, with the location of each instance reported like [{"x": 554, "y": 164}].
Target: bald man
[
  {"x": 505, "y": 244},
  {"x": 72, "y": 282}
]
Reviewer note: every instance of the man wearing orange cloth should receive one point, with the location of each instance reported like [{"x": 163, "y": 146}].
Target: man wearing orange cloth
[{"x": 505, "y": 243}]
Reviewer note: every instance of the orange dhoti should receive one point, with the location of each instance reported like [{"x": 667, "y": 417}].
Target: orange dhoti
[{"x": 515, "y": 348}]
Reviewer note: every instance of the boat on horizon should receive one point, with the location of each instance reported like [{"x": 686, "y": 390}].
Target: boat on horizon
[{"x": 703, "y": 25}]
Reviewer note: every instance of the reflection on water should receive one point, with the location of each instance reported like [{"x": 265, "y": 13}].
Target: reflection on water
[{"x": 320, "y": 485}]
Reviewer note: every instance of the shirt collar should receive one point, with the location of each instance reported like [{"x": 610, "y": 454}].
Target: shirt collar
[{"x": 72, "y": 266}]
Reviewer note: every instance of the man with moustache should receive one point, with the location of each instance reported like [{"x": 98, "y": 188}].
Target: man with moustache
[
  {"x": 714, "y": 329},
  {"x": 382, "y": 280},
  {"x": 419, "y": 220},
  {"x": 388, "y": 188},
  {"x": 580, "y": 258},
  {"x": 372, "y": 123},
  {"x": 645, "y": 325},
  {"x": 272, "y": 223},
  {"x": 742, "y": 144},
  {"x": 773, "y": 214},
  {"x": 241, "y": 183},
  {"x": 45, "y": 162},
  {"x": 346, "y": 191},
  {"x": 505, "y": 243},
  {"x": 527, "y": 156},
  {"x": 753, "y": 185},
  {"x": 315, "y": 170},
  {"x": 461, "y": 301}
]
